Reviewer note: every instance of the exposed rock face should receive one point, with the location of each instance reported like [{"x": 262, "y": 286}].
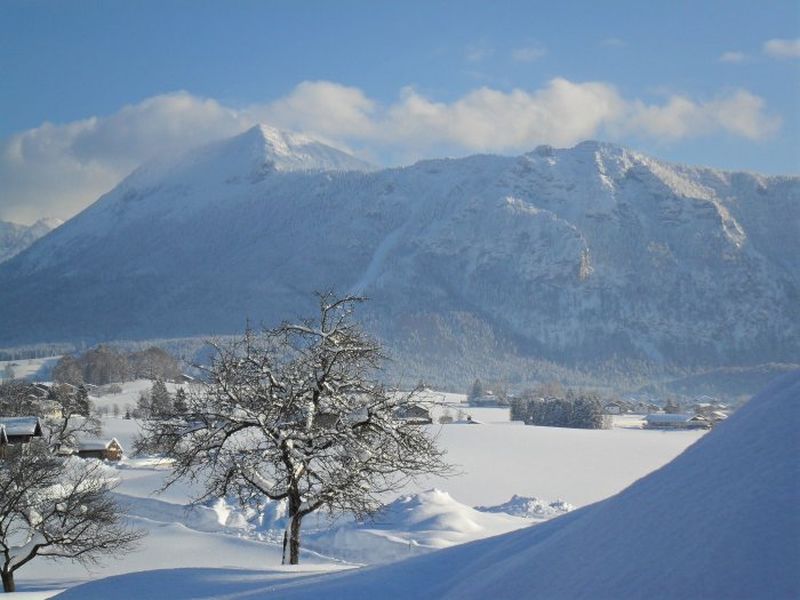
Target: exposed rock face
[{"x": 588, "y": 253}]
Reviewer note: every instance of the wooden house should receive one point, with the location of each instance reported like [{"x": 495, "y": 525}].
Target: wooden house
[
  {"x": 414, "y": 413},
  {"x": 676, "y": 421},
  {"x": 101, "y": 449},
  {"x": 20, "y": 430}
]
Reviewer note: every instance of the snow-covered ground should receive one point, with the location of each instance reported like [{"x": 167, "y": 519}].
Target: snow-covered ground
[
  {"x": 548, "y": 470},
  {"x": 718, "y": 522},
  {"x": 37, "y": 369}
]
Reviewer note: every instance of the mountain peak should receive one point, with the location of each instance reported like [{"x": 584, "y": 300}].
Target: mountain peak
[{"x": 289, "y": 151}]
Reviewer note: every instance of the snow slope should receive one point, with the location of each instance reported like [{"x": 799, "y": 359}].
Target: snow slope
[{"x": 720, "y": 521}]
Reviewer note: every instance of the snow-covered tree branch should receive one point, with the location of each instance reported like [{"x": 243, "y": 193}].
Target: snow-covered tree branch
[{"x": 294, "y": 413}]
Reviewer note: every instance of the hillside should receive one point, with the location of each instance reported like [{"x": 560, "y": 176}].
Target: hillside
[{"x": 589, "y": 254}]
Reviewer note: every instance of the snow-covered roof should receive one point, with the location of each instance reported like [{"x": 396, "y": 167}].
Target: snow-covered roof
[
  {"x": 21, "y": 425},
  {"x": 98, "y": 444}
]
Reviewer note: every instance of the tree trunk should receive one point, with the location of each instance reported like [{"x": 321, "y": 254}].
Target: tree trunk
[
  {"x": 8, "y": 581},
  {"x": 291, "y": 537},
  {"x": 294, "y": 541}
]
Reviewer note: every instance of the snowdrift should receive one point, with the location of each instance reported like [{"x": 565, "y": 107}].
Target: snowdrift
[
  {"x": 416, "y": 524},
  {"x": 720, "y": 521}
]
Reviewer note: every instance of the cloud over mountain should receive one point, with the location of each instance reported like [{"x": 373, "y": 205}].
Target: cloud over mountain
[{"x": 59, "y": 169}]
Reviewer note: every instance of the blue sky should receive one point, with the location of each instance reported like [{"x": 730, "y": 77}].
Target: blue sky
[{"x": 92, "y": 89}]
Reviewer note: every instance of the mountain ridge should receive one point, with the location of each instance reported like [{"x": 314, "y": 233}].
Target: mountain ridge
[
  {"x": 591, "y": 253},
  {"x": 14, "y": 238}
]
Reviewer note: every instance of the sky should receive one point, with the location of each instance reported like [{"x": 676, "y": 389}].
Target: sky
[{"x": 90, "y": 90}]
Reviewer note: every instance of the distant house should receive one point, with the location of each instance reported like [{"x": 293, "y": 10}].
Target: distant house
[
  {"x": 489, "y": 398},
  {"x": 413, "y": 413},
  {"x": 101, "y": 449},
  {"x": 20, "y": 430},
  {"x": 676, "y": 421},
  {"x": 616, "y": 407},
  {"x": 469, "y": 421}
]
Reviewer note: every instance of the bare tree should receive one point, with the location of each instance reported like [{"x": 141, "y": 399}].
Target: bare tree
[
  {"x": 72, "y": 419},
  {"x": 56, "y": 508},
  {"x": 294, "y": 414}
]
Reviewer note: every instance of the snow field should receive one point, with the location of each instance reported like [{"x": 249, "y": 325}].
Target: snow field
[
  {"x": 718, "y": 522},
  {"x": 497, "y": 460}
]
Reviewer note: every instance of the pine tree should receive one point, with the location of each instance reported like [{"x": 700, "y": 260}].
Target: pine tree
[
  {"x": 476, "y": 391},
  {"x": 180, "y": 406},
  {"x": 160, "y": 399}
]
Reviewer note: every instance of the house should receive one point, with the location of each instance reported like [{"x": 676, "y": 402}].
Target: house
[
  {"x": 101, "y": 449},
  {"x": 414, "y": 413},
  {"x": 616, "y": 407},
  {"x": 20, "y": 430},
  {"x": 676, "y": 421}
]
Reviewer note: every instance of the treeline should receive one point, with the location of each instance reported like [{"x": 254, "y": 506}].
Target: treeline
[
  {"x": 103, "y": 365},
  {"x": 579, "y": 410}
]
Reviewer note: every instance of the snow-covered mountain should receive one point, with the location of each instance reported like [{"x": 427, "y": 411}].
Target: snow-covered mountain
[
  {"x": 589, "y": 253},
  {"x": 15, "y": 238}
]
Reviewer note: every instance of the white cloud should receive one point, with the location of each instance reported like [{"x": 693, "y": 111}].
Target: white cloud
[
  {"x": 562, "y": 113},
  {"x": 733, "y": 57},
  {"x": 56, "y": 170},
  {"x": 782, "y": 48},
  {"x": 528, "y": 53},
  {"x": 739, "y": 113},
  {"x": 323, "y": 108}
]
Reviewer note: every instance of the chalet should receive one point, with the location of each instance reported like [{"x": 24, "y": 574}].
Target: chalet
[
  {"x": 20, "y": 430},
  {"x": 101, "y": 449},
  {"x": 676, "y": 421},
  {"x": 414, "y": 413}
]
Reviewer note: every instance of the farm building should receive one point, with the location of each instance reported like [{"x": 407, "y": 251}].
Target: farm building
[
  {"x": 676, "y": 421},
  {"x": 101, "y": 449},
  {"x": 20, "y": 430},
  {"x": 413, "y": 413}
]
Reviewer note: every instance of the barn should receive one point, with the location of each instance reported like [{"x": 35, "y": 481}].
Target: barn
[{"x": 101, "y": 449}]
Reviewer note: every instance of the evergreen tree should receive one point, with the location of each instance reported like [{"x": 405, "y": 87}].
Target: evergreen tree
[
  {"x": 160, "y": 399},
  {"x": 84, "y": 406},
  {"x": 180, "y": 406},
  {"x": 476, "y": 391}
]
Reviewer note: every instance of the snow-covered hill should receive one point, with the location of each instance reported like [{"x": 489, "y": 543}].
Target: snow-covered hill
[
  {"x": 15, "y": 238},
  {"x": 718, "y": 522},
  {"x": 589, "y": 253}
]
